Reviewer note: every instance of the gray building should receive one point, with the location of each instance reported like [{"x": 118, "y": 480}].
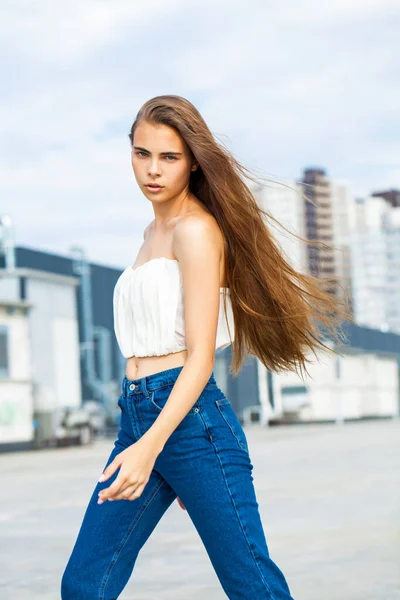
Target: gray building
[
  {"x": 58, "y": 348},
  {"x": 319, "y": 224}
]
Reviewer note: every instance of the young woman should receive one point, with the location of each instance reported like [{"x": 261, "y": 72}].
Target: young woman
[{"x": 208, "y": 274}]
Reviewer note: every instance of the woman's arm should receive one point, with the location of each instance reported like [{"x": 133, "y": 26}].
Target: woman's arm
[{"x": 197, "y": 246}]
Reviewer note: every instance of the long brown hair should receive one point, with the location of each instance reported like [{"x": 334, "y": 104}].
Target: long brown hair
[{"x": 277, "y": 310}]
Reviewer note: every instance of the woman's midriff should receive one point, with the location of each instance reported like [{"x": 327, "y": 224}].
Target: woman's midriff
[{"x": 136, "y": 368}]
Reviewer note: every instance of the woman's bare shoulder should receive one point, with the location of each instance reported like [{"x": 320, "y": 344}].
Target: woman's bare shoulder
[
  {"x": 198, "y": 218},
  {"x": 199, "y": 223}
]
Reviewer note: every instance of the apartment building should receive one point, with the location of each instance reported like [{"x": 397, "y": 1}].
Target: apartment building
[
  {"x": 375, "y": 264},
  {"x": 319, "y": 225},
  {"x": 283, "y": 200}
]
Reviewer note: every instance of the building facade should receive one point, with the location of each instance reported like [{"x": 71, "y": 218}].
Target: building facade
[
  {"x": 285, "y": 203},
  {"x": 391, "y": 196},
  {"x": 375, "y": 264},
  {"x": 319, "y": 225}
]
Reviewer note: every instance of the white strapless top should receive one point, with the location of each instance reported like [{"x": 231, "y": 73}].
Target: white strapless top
[{"x": 149, "y": 312}]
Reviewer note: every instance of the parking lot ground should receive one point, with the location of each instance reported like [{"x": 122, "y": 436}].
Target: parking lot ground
[{"x": 329, "y": 498}]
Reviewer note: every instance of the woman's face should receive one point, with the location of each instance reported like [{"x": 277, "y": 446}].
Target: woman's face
[{"x": 160, "y": 156}]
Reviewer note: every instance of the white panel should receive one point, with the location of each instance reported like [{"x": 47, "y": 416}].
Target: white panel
[
  {"x": 9, "y": 288},
  {"x": 16, "y": 412},
  {"x": 19, "y": 348},
  {"x": 18, "y": 345},
  {"x": 367, "y": 387},
  {"x": 54, "y": 354},
  {"x": 66, "y": 363}
]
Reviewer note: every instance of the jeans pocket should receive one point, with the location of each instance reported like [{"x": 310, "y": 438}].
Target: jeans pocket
[
  {"x": 158, "y": 399},
  {"x": 231, "y": 419}
]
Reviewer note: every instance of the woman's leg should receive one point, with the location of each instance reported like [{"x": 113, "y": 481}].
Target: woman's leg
[
  {"x": 207, "y": 463},
  {"x": 111, "y": 536}
]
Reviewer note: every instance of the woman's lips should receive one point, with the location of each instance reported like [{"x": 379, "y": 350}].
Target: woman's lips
[{"x": 153, "y": 188}]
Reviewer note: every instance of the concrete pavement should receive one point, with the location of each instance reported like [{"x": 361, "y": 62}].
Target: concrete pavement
[{"x": 329, "y": 498}]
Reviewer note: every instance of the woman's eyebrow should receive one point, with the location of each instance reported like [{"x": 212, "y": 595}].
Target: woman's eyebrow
[{"x": 144, "y": 150}]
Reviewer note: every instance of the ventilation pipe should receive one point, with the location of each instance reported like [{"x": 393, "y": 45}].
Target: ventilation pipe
[{"x": 100, "y": 386}]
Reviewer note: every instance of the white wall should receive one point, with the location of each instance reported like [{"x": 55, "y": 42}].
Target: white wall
[
  {"x": 287, "y": 206},
  {"x": 16, "y": 406},
  {"x": 55, "y": 344},
  {"x": 375, "y": 265},
  {"x": 343, "y": 221},
  {"x": 16, "y": 395},
  {"x": 66, "y": 362},
  {"x": 18, "y": 344},
  {"x": 368, "y": 386}
]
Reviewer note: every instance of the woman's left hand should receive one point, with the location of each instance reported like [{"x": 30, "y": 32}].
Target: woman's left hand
[{"x": 136, "y": 464}]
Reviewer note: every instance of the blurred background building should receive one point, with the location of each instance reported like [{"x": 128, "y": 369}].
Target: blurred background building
[
  {"x": 57, "y": 346},
  {"x": 361, "y": 250},
  {"x": 61, "y": 368},
  {"x": 319, "y": 219},
  {"x": 375, "y": 251}
]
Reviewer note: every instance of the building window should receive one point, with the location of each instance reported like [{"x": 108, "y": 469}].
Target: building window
[{"x": 3, "y": 351}]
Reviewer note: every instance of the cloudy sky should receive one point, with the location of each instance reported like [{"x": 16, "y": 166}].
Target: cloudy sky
[{"x": 283, "y": 85}]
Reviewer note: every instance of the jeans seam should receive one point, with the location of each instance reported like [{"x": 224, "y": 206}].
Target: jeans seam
[
  {"x": 134, "y": 419},
  {"x": 125, "y": 539},
  {"x": 237, "y": 513},
  {"x": 238, "y": 440}
]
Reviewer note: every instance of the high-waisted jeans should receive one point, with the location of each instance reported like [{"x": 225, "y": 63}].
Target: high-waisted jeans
[{"x": 206, "y": 463}]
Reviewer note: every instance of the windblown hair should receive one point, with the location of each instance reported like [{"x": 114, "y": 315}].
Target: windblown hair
[{"x": 277, "y": 310}]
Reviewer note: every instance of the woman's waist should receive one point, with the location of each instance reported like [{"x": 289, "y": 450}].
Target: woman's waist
[{"x": 142, "y": 366}]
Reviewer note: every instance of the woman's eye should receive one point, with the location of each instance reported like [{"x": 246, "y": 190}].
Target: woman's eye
[{"x": 140, "y": 153}]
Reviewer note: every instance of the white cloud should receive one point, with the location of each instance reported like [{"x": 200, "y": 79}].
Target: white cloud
[
  {"x": 66, "y": 32},
  {"x": 317, "y": 11},
  {"x": 283, "y": 85}
]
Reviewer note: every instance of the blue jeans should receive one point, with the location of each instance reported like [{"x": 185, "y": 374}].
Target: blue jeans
[{"x": 206, "y": 463}]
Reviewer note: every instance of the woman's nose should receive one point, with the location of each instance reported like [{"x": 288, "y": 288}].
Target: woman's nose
[{"x": 154, "y": 169}]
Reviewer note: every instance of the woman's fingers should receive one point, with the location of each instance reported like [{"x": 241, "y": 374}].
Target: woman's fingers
[
  {"x": 138, "y": 492},
  {"x": 114, "y": 489},
  {"x": 130, "y": 492},
  {"x": 112, "y": 467}
]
